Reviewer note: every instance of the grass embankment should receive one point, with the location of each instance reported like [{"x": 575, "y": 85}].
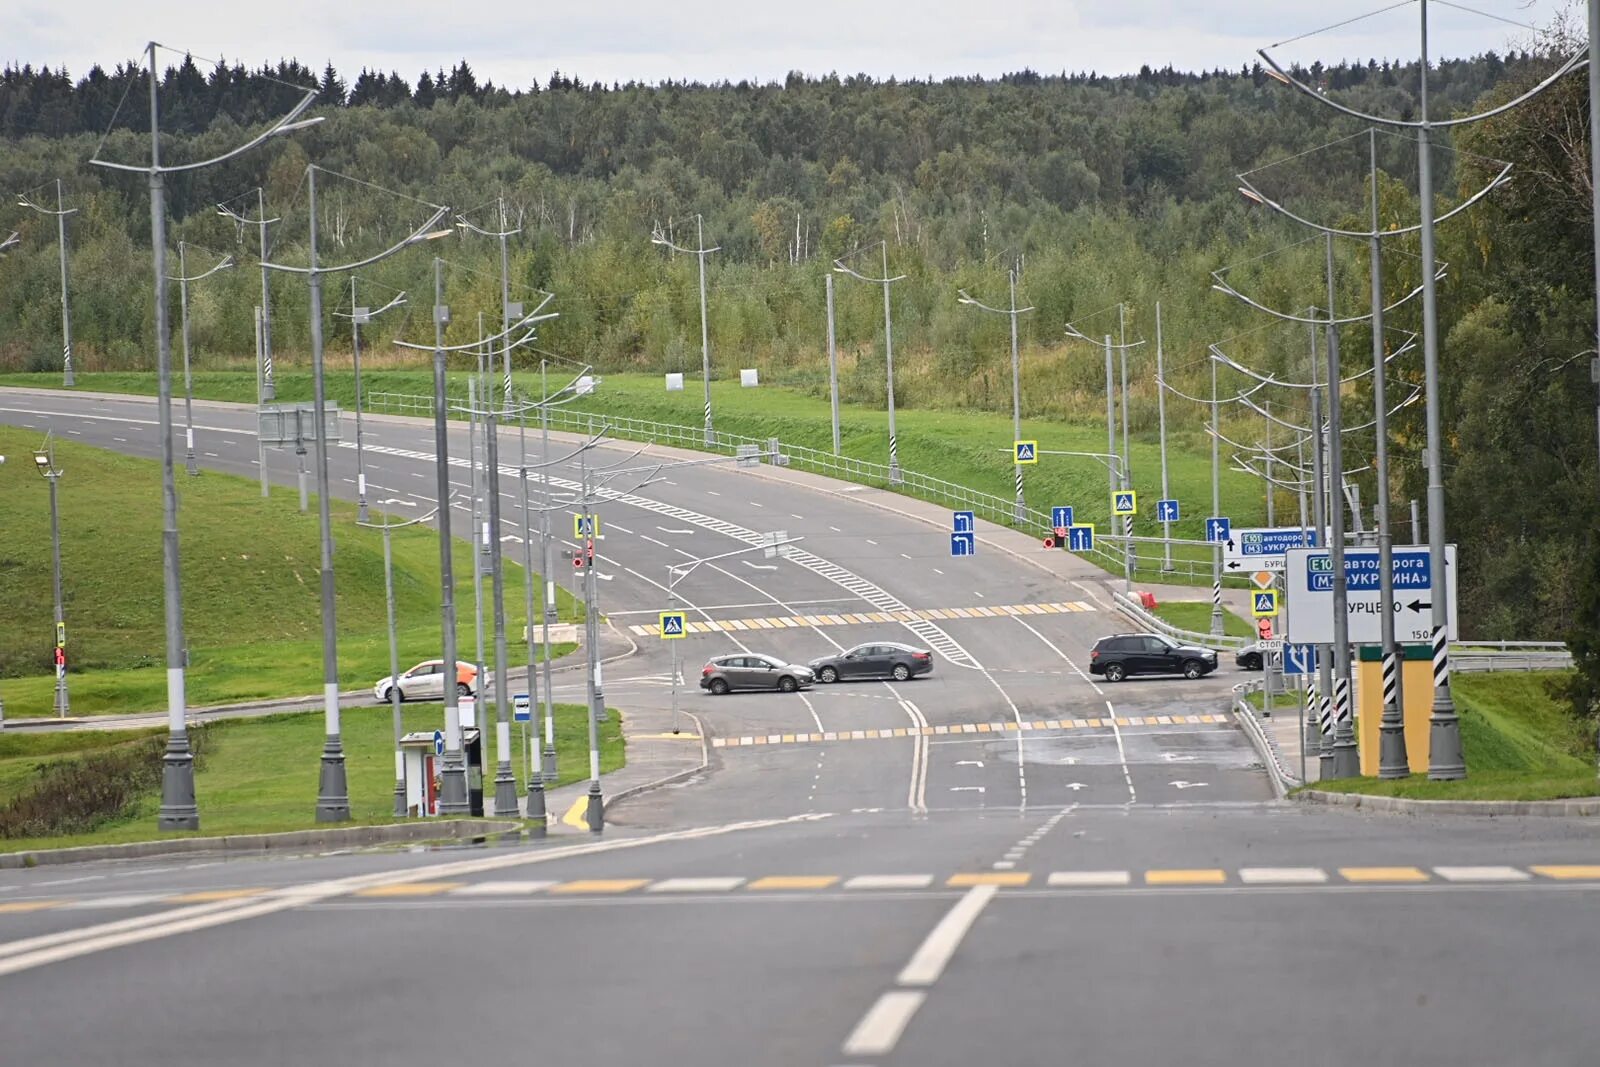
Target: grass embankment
[
  {"x": 260, "y": 775},
  {"x": 1520, "y": 744},
  {"x": 250, "y": 588},
  {"x": 967, "y": 448},
  {"x": 1195, "y": 615}
]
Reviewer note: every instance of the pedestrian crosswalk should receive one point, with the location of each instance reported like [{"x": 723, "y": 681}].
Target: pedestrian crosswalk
[
  {"x": 1388, "y": 875},
  {"x": 785, "y": 622},
  {"x": 1034, "y": 726}
]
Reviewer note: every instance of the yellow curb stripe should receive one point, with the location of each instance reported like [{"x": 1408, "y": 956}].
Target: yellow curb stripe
[
  {"x": 1182, "y": 876},
  {"x": 1001, "y": 878},
  {"x": 410, "y": 889},
  {"x": 574, "y": 816},
  {"x": 1567, "y": 872},
  {"x": 794, "y": 881},
  {"x": 1383, "y": 874},
  {"x": 598, "y": 885}
]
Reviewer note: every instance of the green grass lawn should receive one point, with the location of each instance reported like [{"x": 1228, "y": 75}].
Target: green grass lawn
[
  {"x": 260, "y": 775},
  {"x": 1520, "y": 744},
  {"x": 250, "y": 588},
  {"x": 1195, "y": 615},
  {"x": 967, "y": 448}
]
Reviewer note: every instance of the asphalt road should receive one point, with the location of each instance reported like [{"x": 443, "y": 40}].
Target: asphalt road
[{"x": 1108, "y": 882}]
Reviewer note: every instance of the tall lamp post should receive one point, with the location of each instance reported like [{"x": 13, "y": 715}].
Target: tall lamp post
[
  {"x": 1020, "y": 512},
  {"x": 1445, "y": 758},
  {"x": 269, "y": 389},
  {"x": 888, "y": 349},
  {"x": 388, "y": 529},
  {"x": 183, "y": 281},
  {"x": 45, "y": 460},
  {"x": 333, "y": 791},
  {"x": 359, "y": 317},
  {"x": 61, "y": 212},
  {"x": 700, "y": 253},
  {"x": 178, "y": 809}
]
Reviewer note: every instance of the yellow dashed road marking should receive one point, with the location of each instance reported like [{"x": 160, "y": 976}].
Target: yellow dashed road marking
[
  {"x": 1191, "y": 876},
  {"x": 206, "y": 895},
  {"x": 599, "y": 885},
  {"x": 1383, "y": 874},
  {"x": 1000, "y": 878},
  {"x": 410, "y": 889},
  {"x": 1568, "y": 872},
  {"x": 29, "y": 905},
  {"x": 795, "y": 881}
]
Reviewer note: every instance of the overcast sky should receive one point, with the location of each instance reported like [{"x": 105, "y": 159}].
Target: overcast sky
[{"x": 514, "y": 44}]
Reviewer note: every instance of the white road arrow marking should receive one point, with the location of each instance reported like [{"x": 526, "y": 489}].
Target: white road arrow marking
[
  {"x": 759, "y": 566},
  {"x": 1075, "y": 786},
  {"x": 969, "y": 763},
  {"x": 1173, "y": 757},
  {"x": 671, "y": 530},
  {"x": 1189, "y": 785},
  {"x": 966, "y": 789}
]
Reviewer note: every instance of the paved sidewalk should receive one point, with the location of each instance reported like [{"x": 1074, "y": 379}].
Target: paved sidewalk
[
  {"x": 656, "y": 756},
  {"x": 1284, "y": 732}
]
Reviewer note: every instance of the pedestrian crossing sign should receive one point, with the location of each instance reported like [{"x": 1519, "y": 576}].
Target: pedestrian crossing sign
[
  {"x": 585, "y": 526},
  {"x": 1026, "y": 452},
  {"x": 1264, "y": 603},
  {"x": 1125, "y": 502},
  {"x": 673, "y": 625}
]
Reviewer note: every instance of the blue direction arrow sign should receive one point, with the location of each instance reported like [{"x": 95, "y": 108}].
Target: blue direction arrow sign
[
  {"x": 438, "y": 742},
  {"x": 1166, "y": 511},
  {"x": 1124, "y": 502},
  {"x": 1060, "y": 516},
  {"x": 1299, "y": 659},
  {"x": 963, "y": 544},
  {"x": 1080, "y": 538},
  {"x": 673, "y": 625},
  {"x": 1025, "y": 452},
  {"x": 962, "y": 522},
  {"x": 1218, "y": 529}
]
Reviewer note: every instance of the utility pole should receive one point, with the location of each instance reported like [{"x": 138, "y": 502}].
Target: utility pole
[
  {"x": 833, "y": 366},
  {"x": 1392, "y": 759},
  {"x": 1161, "y": 418},
  {"x": 1216, "y": 509},
  {"x": 700, "y": 252},
  {"x": 453, "y": 778},
  {"x": 536, "y": 807},
  {"x": 888, "y": 350},
  {"x": 1345, "y": 760},
  {"x": 61, "y": 212},
  {"x": 1020, "y": 511},
  {"x": 548, "y": 769},
  {"x": 45, "y": 460}
]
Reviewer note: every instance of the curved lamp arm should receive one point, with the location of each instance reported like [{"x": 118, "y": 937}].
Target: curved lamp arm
[
  {"x": 1264, "y": 200},
  {"x": 1221, "y": 286},
  {"x": 1227, "y": 361},
  {"x": 227, "y": 261},
  {"x": 964, "y": 298},
  {"x": 425, "y": 232},
  {"x": 286, "y": 124}
]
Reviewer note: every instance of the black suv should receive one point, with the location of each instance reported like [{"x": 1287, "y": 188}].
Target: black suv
[{"x": 1121, "y": 655}]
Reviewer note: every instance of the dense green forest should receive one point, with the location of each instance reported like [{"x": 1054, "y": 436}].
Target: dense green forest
[{"x": 1099, "y": 190}]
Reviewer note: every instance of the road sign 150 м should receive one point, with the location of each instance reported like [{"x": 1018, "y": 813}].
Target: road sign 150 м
[{"x": 1309, "y": 594}]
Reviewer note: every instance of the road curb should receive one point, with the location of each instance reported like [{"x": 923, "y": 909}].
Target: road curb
[
  {"x": 1578, "y": 806},
  {"x": 676, "y": 776},
  {"x": 293, "y": 840}
]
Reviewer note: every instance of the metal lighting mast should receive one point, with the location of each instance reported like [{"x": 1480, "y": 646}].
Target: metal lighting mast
[
  {"x": 178, "y": 809},
  {"x": 700, "y": 253},
  {"x": 183, "y": 281},
  {"x": 61, "y": 212},
  {"x": 1021, "y": 511},
  {"x": 269, "y": 388},
  {"x": 888, "y": 349}
]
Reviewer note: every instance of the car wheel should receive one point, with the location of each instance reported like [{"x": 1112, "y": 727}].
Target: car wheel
[
  {"x": 718, "y": 686},
  {"x": 463, "y": 689},
  {"x": 395, "y": 694},
  {"x": 1252, "y": 663},
  {"x": 901, "y": 672},
  {"x": 828, "y": 674},
  {"x": 1193, "y": 668},
  {"x": 1115, "y": 672},
  {"x": 787, "y": 684}
]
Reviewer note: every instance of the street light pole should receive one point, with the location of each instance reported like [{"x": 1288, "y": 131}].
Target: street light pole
[
  {"x": 505, "y": 782},
  {"x": 536, "y": 808},
  {"x": 1216, "y": 509},
  {"x": 183, "y": 314},
  {"x": 45, "y": 460},
  {"x": 1346, "y": 763},
  {"x": 453, "y": 778},
  {"x": 699, "y": 252},
  {"x": 1161, "y": 419},
  {"x": 833, "y": 367},
  {"x": 888, "y": 351},
  {"x": 596, "y": 807},
  {"x": 548, "y": 769},
  {"x": 61, "y": 212},
  {"x": 1020, "y": 512}
]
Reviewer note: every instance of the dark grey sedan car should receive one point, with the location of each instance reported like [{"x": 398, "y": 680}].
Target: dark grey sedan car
[
  {"x": 880, "y": 659},
  {"x": 749, "y": 670}
]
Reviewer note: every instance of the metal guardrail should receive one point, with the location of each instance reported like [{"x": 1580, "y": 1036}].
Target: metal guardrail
[
  {"x": 1134, "y": 610},
  {"x": 1510, "y": 661}
]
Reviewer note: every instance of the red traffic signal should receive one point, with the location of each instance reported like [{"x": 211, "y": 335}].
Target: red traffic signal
[
  {"x": 61, "y": 656},
  {"x": 577, "y": 561},
  {"x": 1049, "y": 542},
  {"x": 1264, "y": 629}
]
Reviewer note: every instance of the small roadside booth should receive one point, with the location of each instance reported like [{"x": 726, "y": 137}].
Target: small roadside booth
[{"x": 423, "y": 759}]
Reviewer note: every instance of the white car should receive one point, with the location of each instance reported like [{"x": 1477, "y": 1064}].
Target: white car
[{"x": 425, "y": 681}]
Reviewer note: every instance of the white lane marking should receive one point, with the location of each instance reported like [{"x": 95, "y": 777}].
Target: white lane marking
[
  {"x": 1127, "y": 774},
  {"x": 695, "y": 885},
  {"x": 67, "y": 881},
  {"x": 653, "y": 541},
  {"x": 890, "y": 881},
  {"x": 904, "y": 556},
  {"x": 713, "y": 492},
  {"x": 966, "y": 789},
  {"x": 620, "y": 528},
  {"x": 936, "y": 950},
  {"x": 33, "y": 952},
  {"x": 792, "y": 515},
  {"x": 1282, "y": 875},
  {"x": 759, "y": 566},
  {"x": 127, "y": 900},
  {"x": 673, "y": 530},
  {"x": 213, "y": 455},
  {"x": 124, "y": 440},
  {"x": 917, "y": 797},
  {"x": 752, "y": 503},
  {"x": 870, "y": 541},
  {"x": 1089, "y": 878},
  {"x": 115, "y": 418},
  {"x": 835, "y": 529},
  {"x": 880, "y": 1028},
  {"x": 936, "y": 570},
  {"x": 1482, "y": 874},
  {"x": 501, "y": 888},
  {"x": 418, "y": 474},
  {"x": 76, "y": 433}
]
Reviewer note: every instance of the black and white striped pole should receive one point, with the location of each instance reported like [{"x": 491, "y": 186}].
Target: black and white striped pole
[
  {"x": 60, "y": 213},
  {"x": 1020, "y": 513},
  {"x": 888, "y": 350}
]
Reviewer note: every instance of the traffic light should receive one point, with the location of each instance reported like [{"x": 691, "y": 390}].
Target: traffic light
[{"x": 577, "y": 562}]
